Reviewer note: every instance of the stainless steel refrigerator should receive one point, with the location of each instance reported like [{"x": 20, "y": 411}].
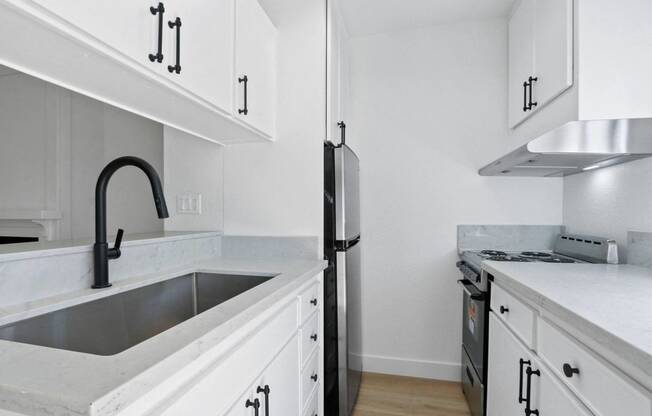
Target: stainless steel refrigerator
[{"x": 343, "y": 280}]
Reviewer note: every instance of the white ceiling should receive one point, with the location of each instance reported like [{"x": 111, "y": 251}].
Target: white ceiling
[{"x": 366, "y": 17}]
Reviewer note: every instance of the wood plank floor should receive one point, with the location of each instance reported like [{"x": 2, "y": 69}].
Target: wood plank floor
[{"x": 385, "y": 395}]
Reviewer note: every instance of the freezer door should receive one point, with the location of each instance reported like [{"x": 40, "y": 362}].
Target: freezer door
[
  {"x": 349, "y": 327},
  {"x": 347, "y": 193}
]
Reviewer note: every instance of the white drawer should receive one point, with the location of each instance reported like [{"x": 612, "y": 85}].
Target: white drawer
[
  {"x": 309, "y": 301},
  {"x": 310, "y": 338},
  {"x": 605, "y": 390},
  {"x": 310, "y": 377},
  {"x": 312, "y": 408},
  {"x": 514, "y": 313}
]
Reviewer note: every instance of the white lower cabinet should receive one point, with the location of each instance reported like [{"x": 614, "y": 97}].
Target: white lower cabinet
[
  {"x": 261, "y": 371},
  {"x": 276, "y": 392},
  {"x": 518, "y": 384}
]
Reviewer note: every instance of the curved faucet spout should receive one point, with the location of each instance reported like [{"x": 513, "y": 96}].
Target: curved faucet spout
[{"x": 101, "y": 251}]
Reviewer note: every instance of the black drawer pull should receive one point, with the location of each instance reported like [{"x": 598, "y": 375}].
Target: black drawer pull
[
  {"x": 314, "y": 302},
  {"x": 569, "y": 370},
  {"x": 528, "y": 410},
  {"x": 160, "y": 9},
  {"x": 313, "y": 337},
  {"x": 255, "y": 404},
  {"x": 531, "y": 104},
  {"x": 503, "y": 310},
  {"x": 522, "y": 363},
  {"x": 172, "y": 24},
  {"x": 265, "y": 390},
  {"x": 314, "y": 377},
  {"x": 245, "y": 80},
  {"x": 525, "y": 108}
]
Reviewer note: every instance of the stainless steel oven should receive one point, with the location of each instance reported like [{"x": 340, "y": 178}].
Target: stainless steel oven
[{"x": 474, "y": 336}]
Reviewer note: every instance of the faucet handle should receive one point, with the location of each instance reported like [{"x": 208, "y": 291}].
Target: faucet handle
[{"x": 114, "y": 252}]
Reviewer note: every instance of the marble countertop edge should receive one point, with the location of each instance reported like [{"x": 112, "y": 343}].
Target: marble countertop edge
[{"x": 621, "y": 353}]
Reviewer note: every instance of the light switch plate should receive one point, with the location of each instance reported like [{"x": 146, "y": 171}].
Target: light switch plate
[{"x": 189, "y": 204}]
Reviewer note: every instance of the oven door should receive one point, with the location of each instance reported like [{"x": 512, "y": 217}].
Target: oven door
[{"x": 473, "y": 331}]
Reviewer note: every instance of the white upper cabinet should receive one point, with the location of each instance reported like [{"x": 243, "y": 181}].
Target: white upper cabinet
[
  {"x": 174, "y": 61},
  {"x": 540, "y": 55},
  {"x": 255, "y": 66},
  {"x": 205, "y": 48},
  {"x": 128, "y": 26},
  {"x": 521, "y": 59}
]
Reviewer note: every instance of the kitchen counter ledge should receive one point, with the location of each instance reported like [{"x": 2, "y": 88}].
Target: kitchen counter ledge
[
  {"x": 43, "y": 381},
  {"x": 606, "y": 307}
]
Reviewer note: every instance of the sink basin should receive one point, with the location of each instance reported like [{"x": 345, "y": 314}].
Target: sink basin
[{"x": 116, "y": 323}]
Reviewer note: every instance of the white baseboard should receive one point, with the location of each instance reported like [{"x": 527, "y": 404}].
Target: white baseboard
[{"x": 435, "y": 370}]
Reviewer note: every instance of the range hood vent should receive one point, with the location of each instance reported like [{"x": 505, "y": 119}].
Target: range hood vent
[{"x": 577, "y": 146}]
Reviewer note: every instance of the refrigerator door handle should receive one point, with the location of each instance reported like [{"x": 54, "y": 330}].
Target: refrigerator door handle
[{"x": 343, "y": 245}]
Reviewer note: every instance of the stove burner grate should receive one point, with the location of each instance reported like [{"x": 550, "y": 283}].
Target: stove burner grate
[
  {"x": 536, "y": 254},
  {"x": 494, "y": 253}
]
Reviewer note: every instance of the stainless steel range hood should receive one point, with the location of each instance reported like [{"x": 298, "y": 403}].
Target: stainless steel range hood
[{"x": 577, "y": 146}]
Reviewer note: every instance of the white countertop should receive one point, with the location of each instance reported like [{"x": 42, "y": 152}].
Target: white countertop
[
  {"x": 43, "y": 381},
  {"x": 609, "y": 307}
]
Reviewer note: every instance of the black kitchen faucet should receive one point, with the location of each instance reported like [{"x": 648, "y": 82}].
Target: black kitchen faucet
[{"x": 101, "y": 251}]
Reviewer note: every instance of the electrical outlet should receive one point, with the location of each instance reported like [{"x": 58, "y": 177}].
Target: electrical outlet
[{"x": 189, "y": 204}]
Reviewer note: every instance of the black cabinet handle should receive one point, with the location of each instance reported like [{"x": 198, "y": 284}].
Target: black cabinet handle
[
  {"x": 244, "y": 110},
  {"x": 522, "y": 362},
  {"x": 313, "y": 337},
  {"x": 314, "y": 377},
  {"x": 314, "y": 302},
  {"x": 342, "y": 126},
  {"x": 569, "y": 370},
  {"x": 531, "y": 104},
  {"x": 266, "y": 391},
  {"x": 528, "y": 400},
  {"x": 525, "y": 108},
  {"x": 176, "y": 24},
  {"x": 160, "y": 9},
  {"x": 503, "y": 310},
  {"x": 255, "y": 404}
]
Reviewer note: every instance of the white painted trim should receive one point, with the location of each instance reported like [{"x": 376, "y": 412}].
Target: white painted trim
[{"x": 435, "y": 370}]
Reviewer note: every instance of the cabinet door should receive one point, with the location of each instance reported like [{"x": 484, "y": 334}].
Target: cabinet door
[
  {"x": 283, "y": 379},
  {"x": 553, "y": 49},
  {"x": 127, "y": 26},
  {"x": 504, "y": 371},
  {"x": 255, "y": 52},
  {"x": 521, "y": 58},
  {"x": 206, "y": 48}
]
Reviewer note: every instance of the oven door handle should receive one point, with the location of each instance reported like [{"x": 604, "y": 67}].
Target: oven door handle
[{"x": 471, "y": 290}]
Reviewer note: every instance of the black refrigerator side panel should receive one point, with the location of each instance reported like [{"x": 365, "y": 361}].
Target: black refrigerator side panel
[{"x": 331, "y": 393}]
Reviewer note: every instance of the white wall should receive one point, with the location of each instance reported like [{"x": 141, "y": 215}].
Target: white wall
[
  {"x": 193, "y": 166},
  {"x": 427, "y": 105},
  {"x": 53, "y": 146},
  {"x": 101, "y": 133},
  {"x": 611, "y": 201},
  {"x": 277, "y": 188}
]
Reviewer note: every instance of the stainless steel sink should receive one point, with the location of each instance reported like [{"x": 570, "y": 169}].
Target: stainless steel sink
[{"x": 116, "y": 323}]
